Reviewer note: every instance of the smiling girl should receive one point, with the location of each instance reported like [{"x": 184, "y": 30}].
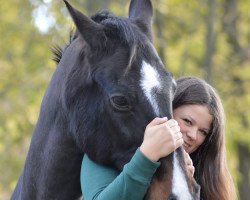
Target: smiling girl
[{"x": 198, "y": 126}]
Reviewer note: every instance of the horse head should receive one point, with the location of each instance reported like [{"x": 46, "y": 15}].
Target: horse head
[{"x": 116, "y": 85}]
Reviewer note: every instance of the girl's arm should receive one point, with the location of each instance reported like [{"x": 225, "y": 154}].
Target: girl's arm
[
  {"x": 162, "y": 137},
  {"x": 103, "y": 183}
]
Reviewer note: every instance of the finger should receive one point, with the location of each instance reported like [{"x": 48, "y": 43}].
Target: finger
[
  {"x": 191, "y": 170},
  {"x": 157, "y": 121},
  {"x": 188, "y": 159},
  {"x": 175, "y": 128},
  {"x": 178, "y": 135},
  {"x": 172, "y": 123},
  {"x": 179, "y": 142},
  {"x": 189, "y": 162}
]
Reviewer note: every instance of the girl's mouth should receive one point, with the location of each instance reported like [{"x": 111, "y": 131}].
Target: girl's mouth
[{"x": 186, "y": 145}]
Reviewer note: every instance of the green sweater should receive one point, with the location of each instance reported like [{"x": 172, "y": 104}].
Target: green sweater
[{"x": 104, "y": 183}]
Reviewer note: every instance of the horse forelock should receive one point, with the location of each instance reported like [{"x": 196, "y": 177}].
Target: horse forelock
[{"x": 121, "y": 28}]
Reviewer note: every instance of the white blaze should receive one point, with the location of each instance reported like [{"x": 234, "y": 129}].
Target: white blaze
[
  {"x": 149, "y": 81},
  {"x": 180, "y": 187}
]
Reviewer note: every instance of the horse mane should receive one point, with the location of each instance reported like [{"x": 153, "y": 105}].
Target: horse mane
[
  {"x": 58, "y": 50},
  {"x": 119, "y": 28}
]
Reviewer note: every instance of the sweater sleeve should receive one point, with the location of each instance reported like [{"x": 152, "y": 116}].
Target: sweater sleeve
[{"x": 101, "y": 182}]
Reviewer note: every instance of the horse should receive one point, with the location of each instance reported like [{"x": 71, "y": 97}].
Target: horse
[{"x": 108, "y": 85}]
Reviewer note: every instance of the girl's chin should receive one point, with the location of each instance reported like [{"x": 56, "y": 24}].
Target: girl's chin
[
  {"x": 189, "y": 150},
  {"x": 186, "y": 147}
]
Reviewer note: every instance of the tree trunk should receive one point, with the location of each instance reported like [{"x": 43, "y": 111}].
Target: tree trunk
[
  {"x": 244, "y": 168},
  {"x": 159, "y": 25},
  {"x": 210, "y": 41},
  {"x": 241, "y": 53}
]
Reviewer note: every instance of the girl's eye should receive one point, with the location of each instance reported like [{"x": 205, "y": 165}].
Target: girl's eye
[
  {"x": 205, "y": 133},
  {"x": 187, "y": 121}
]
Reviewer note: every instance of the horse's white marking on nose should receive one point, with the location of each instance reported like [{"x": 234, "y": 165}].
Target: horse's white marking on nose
[
  {"x": 180, "y": 186},
  {"x": 150, "y": 81}
]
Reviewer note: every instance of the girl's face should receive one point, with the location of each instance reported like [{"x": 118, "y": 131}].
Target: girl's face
[{"x": 195, "y": 122}]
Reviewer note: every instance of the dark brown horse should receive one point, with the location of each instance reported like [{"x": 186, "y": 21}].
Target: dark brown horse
[{"x": 109, "y": 84}]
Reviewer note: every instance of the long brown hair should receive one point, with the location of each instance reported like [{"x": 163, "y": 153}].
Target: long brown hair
[{"x": 209, "y": 159}]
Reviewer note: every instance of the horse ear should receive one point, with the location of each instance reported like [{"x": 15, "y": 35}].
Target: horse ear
[
  {"x": 91, "y": 31},
  {"x": 142, "y": 12}
]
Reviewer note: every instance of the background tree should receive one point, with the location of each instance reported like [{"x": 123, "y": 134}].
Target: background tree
[{"x": 209, "y": 39}]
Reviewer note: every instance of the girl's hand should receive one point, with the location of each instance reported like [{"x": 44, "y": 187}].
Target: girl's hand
[
  {"x": 189, "y": 163},
  {"x": 161, "y": 137}
]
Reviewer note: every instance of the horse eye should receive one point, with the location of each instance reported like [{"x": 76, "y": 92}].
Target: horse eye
[{"x": 120, "y": 102}]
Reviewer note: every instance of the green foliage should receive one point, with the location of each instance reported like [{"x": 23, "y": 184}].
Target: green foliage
[
  {"x": 181, "y": 33},
  {"x": 25, "y": 68}
]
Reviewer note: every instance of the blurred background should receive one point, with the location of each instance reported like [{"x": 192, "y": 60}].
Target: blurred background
[{"x": 209, "y": 39}]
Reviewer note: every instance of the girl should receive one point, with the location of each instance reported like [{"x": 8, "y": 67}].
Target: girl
[{"x": 198, "y": 125}]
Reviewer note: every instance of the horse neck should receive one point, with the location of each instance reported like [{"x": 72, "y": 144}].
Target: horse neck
[
  {"x": 161, "y": 184},
  {"x": 171, "y": 180},
  {"x": 53, "y": 159}
]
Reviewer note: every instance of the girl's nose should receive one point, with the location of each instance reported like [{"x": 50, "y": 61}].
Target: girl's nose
[{"x": 192, "y": 133}]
